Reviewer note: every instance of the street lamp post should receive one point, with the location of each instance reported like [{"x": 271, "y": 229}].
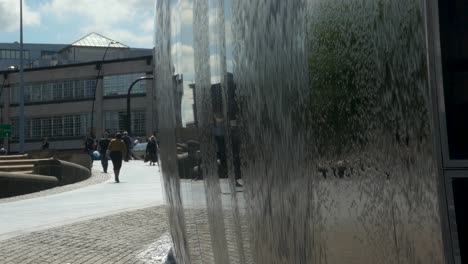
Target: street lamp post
[
  {"x": 96, "y": 85},
  {"x": 129, "y": 117},
  {"x": 21, "y": 101}
]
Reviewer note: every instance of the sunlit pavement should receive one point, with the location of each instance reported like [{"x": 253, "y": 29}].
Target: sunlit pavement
[{"x": 139, "y": 187}]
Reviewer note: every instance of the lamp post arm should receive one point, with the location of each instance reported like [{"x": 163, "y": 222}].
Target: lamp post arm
[
  {"x": 129, "y": 120},
  {"x": 96, "y": 85}
]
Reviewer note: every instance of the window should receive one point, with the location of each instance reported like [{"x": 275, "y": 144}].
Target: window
[
  {"x": 27, "y": 128},
  {"x": 14, "y": 128},
  {"x": 47, "y": 92},
  {"x": 90, "y": 86},
  {"x": 57, "y": 126},
  {"x": 138, "y": 123},
  {"x": 80, "y": 127},
  {"x": 36, "y": 128},
  {"x": 14, "y": 93},
  {"x": 68, "y": 124},
  {"x": 116, "y": 122},
  {"x": 67, "y": 90},
  {"x": 79, "y": 89},
  {"x": 57, "y": 91},
  {"x": 27, "y": 93},
  {"x": 111, "y": 122},
  {"x": 119, "y": 84},
  {"x": 46, "y": 127},
  {"x": 52, "y": 126},
  {"x": 36, "y": 92}
]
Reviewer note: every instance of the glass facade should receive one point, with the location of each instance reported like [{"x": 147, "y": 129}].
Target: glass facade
[
  {"x": 306, "y": 134},
  {"x": 119, "y": 84},
  {"x": 56, "y": 91},
  {"x": 13, "y": 54},
  {"x": 116, "y": 122}
]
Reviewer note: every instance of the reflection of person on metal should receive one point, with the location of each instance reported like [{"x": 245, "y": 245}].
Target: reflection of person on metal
[{"x": 116, "y": 149}]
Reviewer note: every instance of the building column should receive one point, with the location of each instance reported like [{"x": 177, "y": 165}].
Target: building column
[
  {"x": 98, "y": 107},
  {"x": 6, "y": 112}
]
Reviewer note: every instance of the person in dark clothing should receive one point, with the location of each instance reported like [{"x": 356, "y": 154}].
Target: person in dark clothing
[
  {"x": 102, "y": 148},
  {"x": 152, "y": 151},
  {"x": 89, "y": 142},
  {"x": 45, "y": 144},
  {"x": 128, "y": 143},
  {"x": 117, "y": 147}
]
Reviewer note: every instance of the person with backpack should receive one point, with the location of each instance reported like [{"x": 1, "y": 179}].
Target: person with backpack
[
  {"x": 102, "y": 148},
  {"x": 116, "y": 149}
]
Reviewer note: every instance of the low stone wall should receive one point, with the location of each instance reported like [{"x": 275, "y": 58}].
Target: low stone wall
[
  {"x": 73, "y": 156},
  {"x": 14, "y": 184},
  {"x": 66, "y": 172}
]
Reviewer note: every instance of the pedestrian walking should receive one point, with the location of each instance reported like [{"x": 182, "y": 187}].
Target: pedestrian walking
[
  {"x": 102, "y": 148},
  {"x": 128, "y": 143},
  {"x": 116, "y": 150},
  {"x": 152, "y": 151},
  {"x": 45, "y": 144}
]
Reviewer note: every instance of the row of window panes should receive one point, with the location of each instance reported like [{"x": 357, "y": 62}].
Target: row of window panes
[
  {"x": 116, "y": 122},
  {"x": 55, "y": 126},
  {"x": 13, "y": 54},
  {"x": 119, "y": 84},
  {"x": 44, "y": 92}
]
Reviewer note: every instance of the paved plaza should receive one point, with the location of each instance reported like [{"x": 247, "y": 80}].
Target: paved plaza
[{"x": 95, "y": 221}]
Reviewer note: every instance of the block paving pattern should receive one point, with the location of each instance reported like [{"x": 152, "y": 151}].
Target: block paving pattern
[{"x": 112, "y": 239}]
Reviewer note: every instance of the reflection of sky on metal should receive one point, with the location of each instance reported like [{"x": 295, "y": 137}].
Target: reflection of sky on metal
[{"x": 182, "y": 48}]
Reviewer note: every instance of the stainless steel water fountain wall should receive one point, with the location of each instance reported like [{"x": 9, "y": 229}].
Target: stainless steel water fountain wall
[{"x": 299, "y": 131}]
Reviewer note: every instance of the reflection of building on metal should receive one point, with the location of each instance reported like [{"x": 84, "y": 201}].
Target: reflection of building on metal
[
  {"x": 178, "y": 94},
  {"x": 216, "y": 93}
]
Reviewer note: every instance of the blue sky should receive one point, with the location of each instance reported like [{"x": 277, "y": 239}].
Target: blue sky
[{"x": 65, "y": 21}]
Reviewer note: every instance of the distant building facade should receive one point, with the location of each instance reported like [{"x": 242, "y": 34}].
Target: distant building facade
[
  {"x": 92, "y": 47},
  {"x": 60, "y": 86},
  {"x": 10, "y": 53},
  {"x": 58, "y": 101}
]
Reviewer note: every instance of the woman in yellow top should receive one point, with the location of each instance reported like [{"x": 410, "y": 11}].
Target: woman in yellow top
[{"x": 116, "y": 149}]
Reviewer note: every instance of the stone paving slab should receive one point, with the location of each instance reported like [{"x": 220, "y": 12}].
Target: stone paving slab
[{"x": 120, "y": 238}]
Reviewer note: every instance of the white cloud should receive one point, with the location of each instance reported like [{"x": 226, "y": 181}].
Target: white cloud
[
  {"x": 148, "y": 24},
  {"x": 187, "y": 13},
  {"x": 183, "y": 58},
  {"x": 10, "y": 15},
  {"x": 127, "y": 21}
]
